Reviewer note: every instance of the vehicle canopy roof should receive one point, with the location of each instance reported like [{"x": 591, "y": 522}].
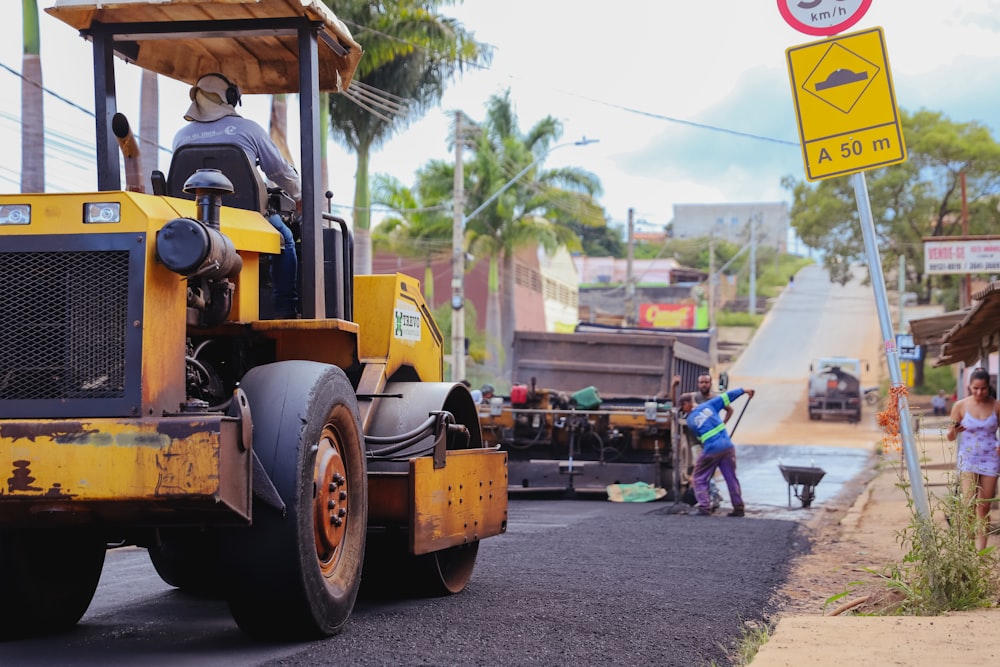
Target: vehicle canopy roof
[
  {"x": 264, "y": 46},
  {"x": 267, "y": 62}
]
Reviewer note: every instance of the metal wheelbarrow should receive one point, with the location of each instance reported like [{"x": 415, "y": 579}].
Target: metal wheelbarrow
[{"x": 802, "y": 481}]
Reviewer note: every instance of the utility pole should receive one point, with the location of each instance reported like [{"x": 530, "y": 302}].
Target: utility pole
[
  {"x": 965, "y": 298},
  {"x": 711, "y": 280},
  {"x": 901, "y": 286},
  {"x": 630, "y": 318},
  {"x": 752, "y": 308},
  {"x": 458, "y": 247},
  {"x": 458, "y": 261}
]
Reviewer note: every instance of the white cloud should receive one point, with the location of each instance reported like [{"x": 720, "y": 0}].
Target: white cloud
[{"x": 713, "y": 62}]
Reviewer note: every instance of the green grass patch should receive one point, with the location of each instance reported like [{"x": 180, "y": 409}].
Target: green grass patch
[
  {"x": 727, "y": 318},
  {"x": 753, "y": 635}
]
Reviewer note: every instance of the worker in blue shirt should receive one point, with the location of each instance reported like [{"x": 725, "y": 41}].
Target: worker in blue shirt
[{"x": 718, "y": 450}]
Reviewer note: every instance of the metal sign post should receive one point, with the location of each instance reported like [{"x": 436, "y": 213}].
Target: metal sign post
[
  {"x": 889, "y": 342},
  {"x": 848, "y": 123}
]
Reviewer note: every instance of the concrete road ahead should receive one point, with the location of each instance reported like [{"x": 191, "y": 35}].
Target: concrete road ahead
[{"x": 815, "y": 319}]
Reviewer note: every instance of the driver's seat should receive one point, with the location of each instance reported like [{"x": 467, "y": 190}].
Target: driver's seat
[{"x": 249, "y": 190}]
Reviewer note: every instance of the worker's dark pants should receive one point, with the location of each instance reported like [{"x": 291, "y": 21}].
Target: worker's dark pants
[
  {"x": 704, "y": 469},
  {"x": 284, "y": 272}
]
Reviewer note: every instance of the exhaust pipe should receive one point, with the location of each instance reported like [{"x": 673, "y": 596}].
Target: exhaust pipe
[{"x": 130, "y": 151}]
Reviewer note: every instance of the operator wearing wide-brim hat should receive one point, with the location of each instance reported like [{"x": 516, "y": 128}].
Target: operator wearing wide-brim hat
[
  {"x": 213, "y": 120},
  {"x": 212, "y": 97}
]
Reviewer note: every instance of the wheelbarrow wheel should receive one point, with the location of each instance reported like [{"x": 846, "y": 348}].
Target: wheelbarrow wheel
[{"x": 807, "y": 495}]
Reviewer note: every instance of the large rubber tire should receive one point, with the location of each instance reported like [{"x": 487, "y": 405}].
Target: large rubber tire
[
  {"x": 186, "y": 559},
  {"x": 296, "y": 575},
  {"x": 47, "y": 579}
]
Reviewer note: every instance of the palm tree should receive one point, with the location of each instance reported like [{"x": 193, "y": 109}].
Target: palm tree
[
  {"x": 279, "y": 125},
  {"x": 32, "y": 103},
  {"x": 421, "y": 223},
  {"x": 411, "y": 52},
  {"x": 534, "y": 211},
  {"x": 149, "y": 125}
]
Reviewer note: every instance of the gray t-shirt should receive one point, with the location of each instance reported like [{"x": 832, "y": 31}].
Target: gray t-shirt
[{"x": 253, "y": 139}]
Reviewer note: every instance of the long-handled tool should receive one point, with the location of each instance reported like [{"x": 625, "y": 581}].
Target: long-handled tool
[{"x": 733, "y": 430}]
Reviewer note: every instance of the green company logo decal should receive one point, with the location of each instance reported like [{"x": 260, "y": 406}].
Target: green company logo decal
[{"x": 407, "y": 324}]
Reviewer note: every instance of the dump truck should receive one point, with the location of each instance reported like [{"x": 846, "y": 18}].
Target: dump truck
[
  {"x": 835, "y": 388},
  {"x": 594, "y": 407},
  {"x": 145, "y": 400}
]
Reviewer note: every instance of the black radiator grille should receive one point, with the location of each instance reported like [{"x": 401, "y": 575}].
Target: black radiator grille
[{"x": 63, "y": 324}]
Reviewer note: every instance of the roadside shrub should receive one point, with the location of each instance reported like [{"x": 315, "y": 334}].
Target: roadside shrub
[
  {"x": 942, "y": 570},
  {"x": 728, "y": 318}
]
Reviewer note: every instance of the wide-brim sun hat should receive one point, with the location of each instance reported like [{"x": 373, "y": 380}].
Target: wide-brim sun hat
[{"x": 208, "y": 100}]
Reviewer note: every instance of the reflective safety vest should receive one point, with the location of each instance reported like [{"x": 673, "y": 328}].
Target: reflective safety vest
[{"x": 707, "y": 422}]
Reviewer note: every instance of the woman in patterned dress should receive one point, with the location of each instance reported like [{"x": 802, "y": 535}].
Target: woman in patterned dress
[{"x": 976, "y": 418}]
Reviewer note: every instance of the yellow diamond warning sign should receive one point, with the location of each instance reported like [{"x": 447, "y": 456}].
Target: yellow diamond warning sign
[{"x": 845, "y": 105}]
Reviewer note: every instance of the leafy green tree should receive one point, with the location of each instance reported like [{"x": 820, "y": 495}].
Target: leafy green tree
[
  {"x": 918, "y": 198},
  {"x": 534, "y": 211},
  {"x": 419, "y": 226},
  {"x": 32, "y": 103},
  {"x": 411, "y": 52},
  {"x": 598, "y": 241}
]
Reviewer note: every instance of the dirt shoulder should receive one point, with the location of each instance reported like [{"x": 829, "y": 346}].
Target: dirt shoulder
[
  {"x": 851, "y": 547},
  {"x": 854, "y": 538}
]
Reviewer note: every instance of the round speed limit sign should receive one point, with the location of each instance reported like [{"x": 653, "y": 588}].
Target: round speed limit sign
[{"x": 822, "y": 17}]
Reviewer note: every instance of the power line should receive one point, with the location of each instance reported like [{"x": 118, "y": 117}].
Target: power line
[
  {"x": 593, "y": 100},
  {"x": 68, "y": 101}
]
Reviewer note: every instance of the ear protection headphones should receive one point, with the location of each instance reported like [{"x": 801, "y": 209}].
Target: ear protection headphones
[{"x": 233, "y": 95}]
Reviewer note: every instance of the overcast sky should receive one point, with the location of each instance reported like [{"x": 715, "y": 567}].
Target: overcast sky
[{"x": 690, "y": 100}]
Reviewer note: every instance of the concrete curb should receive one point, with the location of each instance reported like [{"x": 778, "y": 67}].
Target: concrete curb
[{"x": 854, "y": 513}]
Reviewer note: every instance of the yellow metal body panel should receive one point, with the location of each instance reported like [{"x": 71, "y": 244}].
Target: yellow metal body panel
[
  {"x": 248, "y": 230},
  {"x": 81, "y": 466},
  {"x": 397, "y": 326},
  {"x": 165, "y": 292},
  {"x": 327, "y": 341},
  {"x": 63, "y": 214},
  {"x": 462, "y": 502}
]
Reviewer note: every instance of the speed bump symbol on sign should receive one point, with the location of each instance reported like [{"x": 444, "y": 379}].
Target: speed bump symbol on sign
[{"x": 844, "y": 104}]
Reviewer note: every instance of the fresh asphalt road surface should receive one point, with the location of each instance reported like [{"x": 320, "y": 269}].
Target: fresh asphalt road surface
[{"x": 572, "y": 582}]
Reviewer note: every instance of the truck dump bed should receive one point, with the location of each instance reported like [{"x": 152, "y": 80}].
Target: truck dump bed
[
  {"x": 620, "y": 365},
  {"x": 559, "y": 443}
]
